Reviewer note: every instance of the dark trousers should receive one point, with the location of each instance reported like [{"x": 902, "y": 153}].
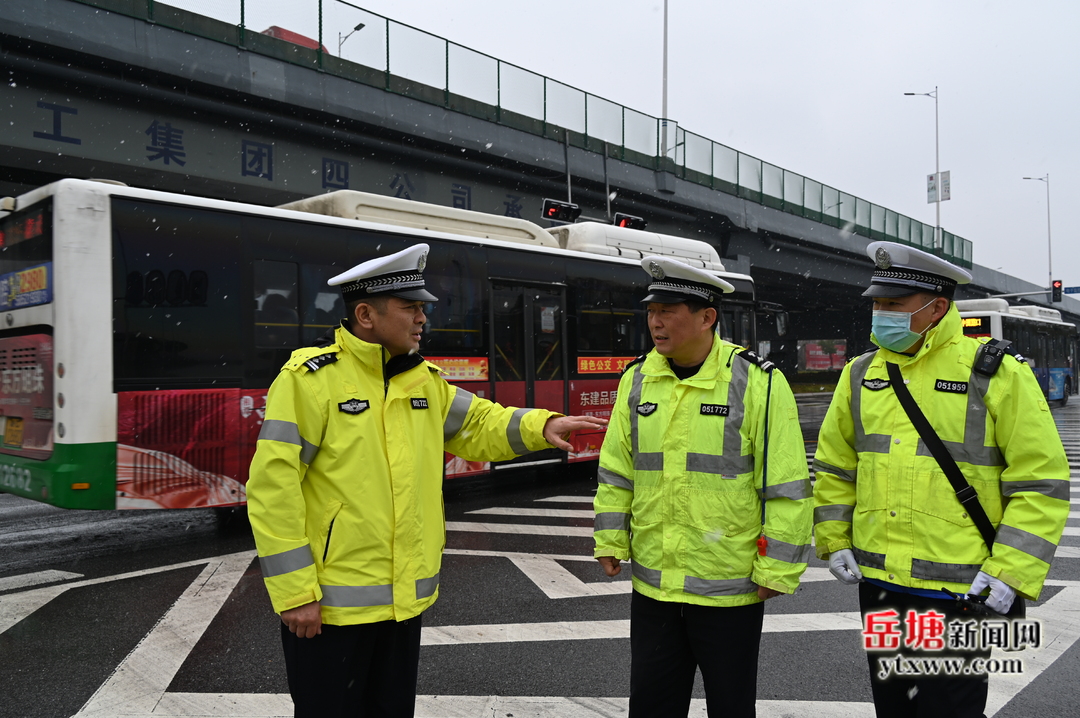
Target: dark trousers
[
  {"x": 923, "y": 696},
  {"x": 362, "y": 671},
  {"x": 668, "y": 641}
]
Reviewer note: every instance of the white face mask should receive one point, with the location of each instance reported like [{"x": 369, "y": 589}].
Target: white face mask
[{"x": 893, "y": 329}]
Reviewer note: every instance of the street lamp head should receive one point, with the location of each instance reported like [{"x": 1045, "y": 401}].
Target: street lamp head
[{"x": 358, "y": 27}]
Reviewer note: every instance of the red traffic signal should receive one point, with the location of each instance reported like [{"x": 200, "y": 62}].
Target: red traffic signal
[
  {"x": 560, "y": 211},
  {"x": 629, "y": 221},
  {"x": 1055, "y": 290}
]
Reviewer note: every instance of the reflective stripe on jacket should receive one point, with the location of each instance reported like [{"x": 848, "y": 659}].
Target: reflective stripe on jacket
[
  {"x": 879, "y": 491},
  {"x": 680, "y": 482},
  {"x": 345, "y": 494}
]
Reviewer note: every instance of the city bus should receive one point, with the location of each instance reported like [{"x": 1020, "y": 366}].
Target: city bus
[
  {"x": 1047, "y": 343},
  {"x": 140, "y": 330}
]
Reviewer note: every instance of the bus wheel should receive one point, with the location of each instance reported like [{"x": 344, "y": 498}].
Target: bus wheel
[{"x": 1065, "y": 394}]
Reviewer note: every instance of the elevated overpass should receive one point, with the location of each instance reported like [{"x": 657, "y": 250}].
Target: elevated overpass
[{"x": 156, "y": 96}]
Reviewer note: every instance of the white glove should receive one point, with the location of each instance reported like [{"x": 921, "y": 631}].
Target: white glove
[
  {"x": 1001, "y": 594},
  {"x": 842, "y": 565}
]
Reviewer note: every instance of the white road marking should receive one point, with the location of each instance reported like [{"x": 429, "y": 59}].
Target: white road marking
[
  {"x": 527, "y": 529},
  {"x": 1060, "y": 630},
  {"x": 220, "y": 705},
  {"x": 1071, "y": 531},
  {"x": 141, "y": 679},
  {"x": 14, "y": 607},
  {"x": 33, "y": 579},
  {"x": 595, "y": 630},
  {"x": 524, "y": 632},
  {"x": 138, "y": 686},
  {"x": 551, "y": 578},
  {"x": 545, "y": 513}
]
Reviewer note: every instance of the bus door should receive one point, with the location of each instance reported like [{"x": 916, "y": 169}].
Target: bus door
[{"x": 528, "y": 346}]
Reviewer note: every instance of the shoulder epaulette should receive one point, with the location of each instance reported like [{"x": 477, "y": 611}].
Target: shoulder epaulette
[
  {"x": 636, "y": 361},
  {"x": 312, "y": 358},
  {"x": 853, "y": 357},
  {"x": 990, "y": 355},
  {"x": 753, "y": 358}
]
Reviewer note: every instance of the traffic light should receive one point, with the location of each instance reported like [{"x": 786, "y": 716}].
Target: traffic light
[
  {"x": 560, "y": 211},
  {"x": 629, "y": 221},
  {"x": 1055, "y": 291}
]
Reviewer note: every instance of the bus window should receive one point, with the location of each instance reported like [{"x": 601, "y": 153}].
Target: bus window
[
  {"x": 610, "y": 322},
  {"x": 547, "y": 333},
  {"x": 509, "y": 360},
  {"x": 322, "y": 308},
  {"x": 745, "y": 337},
  {"x": 176, "y": 295},
  {"x": 455, "y": 322},
  {"x": 277, "y": 321},
  {"x": 727, "y": 325}
]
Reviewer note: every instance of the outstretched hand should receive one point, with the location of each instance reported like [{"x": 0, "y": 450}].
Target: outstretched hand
[{"x": 558, "y": 428}]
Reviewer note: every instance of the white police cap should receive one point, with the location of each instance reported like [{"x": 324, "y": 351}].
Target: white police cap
[
  {"x": 673, "y": 282},
  {"x": 900, "y": 270},
  {"x": 397, "y": 275}
]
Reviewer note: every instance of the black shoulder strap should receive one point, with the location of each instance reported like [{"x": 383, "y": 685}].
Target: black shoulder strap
[
  {"x": 753, "y": 358},
  {"x": 967, "y": 495},
  {"x": 853, "y": 357},
  {"x": 631, "y": 364}
]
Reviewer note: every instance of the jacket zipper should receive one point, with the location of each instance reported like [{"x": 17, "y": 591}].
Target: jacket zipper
[{"x": 326, "y": 550}]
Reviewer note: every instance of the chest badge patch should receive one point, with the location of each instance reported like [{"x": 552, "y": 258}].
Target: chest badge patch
[
  {"x": 953, "y": 387},
  {"x": 715, "y": 409},
  {"x": 646, "y": 408},
  {"x": 419, "y": 403},
  {"x": 875, "y": 384},
  {"x": 354, "y": 406}
]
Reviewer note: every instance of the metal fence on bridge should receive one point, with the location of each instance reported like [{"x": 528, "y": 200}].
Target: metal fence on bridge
[{"x": 403, "y": 59}]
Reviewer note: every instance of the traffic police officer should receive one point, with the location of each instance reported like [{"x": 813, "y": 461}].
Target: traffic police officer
[
  {"x": 345, "y": 495},
  {"x": 887, "y": 517},
  {"x": 702, "y": 484}
]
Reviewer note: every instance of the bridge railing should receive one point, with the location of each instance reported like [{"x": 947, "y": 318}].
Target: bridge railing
[{"x": 342, "y": 38}]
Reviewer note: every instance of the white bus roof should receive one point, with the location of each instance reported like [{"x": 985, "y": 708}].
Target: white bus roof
[
  {"x": 351, "y": 204},
  {"x": 597, "y": 238},
  {"x": 589, "y": 237},
  {"x": 969, "y": 306}
]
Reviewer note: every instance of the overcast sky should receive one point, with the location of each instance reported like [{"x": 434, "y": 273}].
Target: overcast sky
[{"x": 818, "y": 88}]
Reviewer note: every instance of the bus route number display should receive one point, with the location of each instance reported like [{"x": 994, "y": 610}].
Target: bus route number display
[
  {"x": 26, "y": 288},
  {"x": 23, "y": 228},
  {"x": 976, "y": 326}
]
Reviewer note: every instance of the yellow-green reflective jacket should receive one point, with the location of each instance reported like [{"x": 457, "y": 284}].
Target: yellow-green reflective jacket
[
  {"x": 879, "y": 492},
  {"x": 680, "y": 481},
  {"x": 345, "y": 494}
]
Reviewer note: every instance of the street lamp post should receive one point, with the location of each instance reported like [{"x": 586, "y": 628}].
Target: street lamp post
[
  {"x": 1049, "y": 254},
  {"x": 663, "y": 108},
  {"x": 937, "y": 165},
  {"x": 341, "y": 39}
]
